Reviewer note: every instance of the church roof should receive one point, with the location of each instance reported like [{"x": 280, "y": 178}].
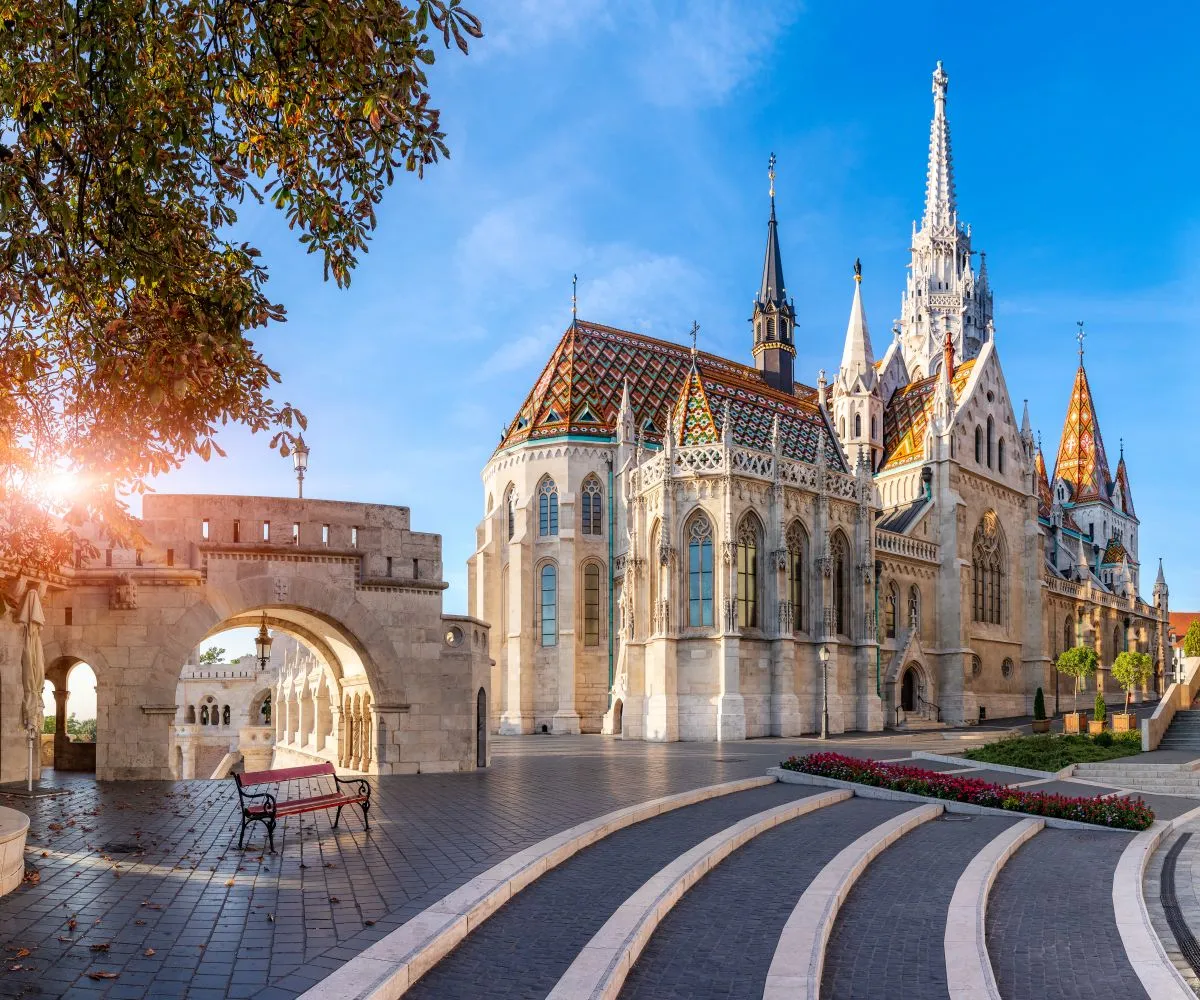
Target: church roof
[
  {"x": 693, "y": 417},
  {"x": 1081, "y": 459},
  {"x": 908, "y": 413},
  {"x": 1045, "y": 497},
  {"x": 1123, "y": 484},
  {"x": 579, "y": 394},
  {"x": 1114, "y": 552}
]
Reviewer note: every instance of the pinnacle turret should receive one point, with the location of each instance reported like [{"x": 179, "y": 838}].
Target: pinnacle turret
[
  {"x": 858, "y": 359},
  {"x": 774, "y": 318},
  {"x": 941, "y": 210}
]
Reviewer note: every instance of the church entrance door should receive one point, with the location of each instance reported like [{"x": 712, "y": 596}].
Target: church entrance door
[{"x": 908, "y": 690}]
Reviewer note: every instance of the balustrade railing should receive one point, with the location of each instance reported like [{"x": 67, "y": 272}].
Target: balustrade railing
[{"x": 902, "y": 545}]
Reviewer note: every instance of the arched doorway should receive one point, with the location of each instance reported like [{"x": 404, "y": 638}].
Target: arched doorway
[
  {"x": 481, "y": 729},
  {"x": 909, "y": 687},
  {"x": 618, "y": 708},
  {"x": 70, "y": 696}
]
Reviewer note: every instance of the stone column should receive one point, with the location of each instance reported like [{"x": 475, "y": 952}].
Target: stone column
[{"x": 60, "y": 723}]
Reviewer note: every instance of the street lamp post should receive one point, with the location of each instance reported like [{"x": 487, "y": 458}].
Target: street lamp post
[
  {"x": 300, "y": 461},
  {"x": 262, "y": 644},
  {"x": 823, "y": 656}
]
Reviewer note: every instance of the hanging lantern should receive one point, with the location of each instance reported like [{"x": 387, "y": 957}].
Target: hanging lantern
[{"x": 262, "y": 644}]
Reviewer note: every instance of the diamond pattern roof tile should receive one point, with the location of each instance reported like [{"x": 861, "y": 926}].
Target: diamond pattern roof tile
[
  {"x": 1081, "y": 458},
  {"x": 907, "y": 416}
]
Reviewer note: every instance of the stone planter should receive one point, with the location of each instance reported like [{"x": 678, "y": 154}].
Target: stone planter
[
  {"x": 1041, "y": 725},
  {"x": 1073, "y": 722},
  {"x": 1095, "y": 728},
  {"x": 13, "y": 827},
  {"x": 1123, "y": 723}
]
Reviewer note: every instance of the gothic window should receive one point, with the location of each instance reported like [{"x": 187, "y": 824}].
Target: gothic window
[
  {"x": 1068, "y": 633},
  {"x": 770, "y": 329},
  {"x": 1006, "y": 668},
  {"x": 841, "y": 585},
  {"x": 191, "y": 715},
  {"x": 700, "y": 572},
  {"x": 547, "y": 508},
  {"x": 592, "y": 518},
  {"x": 914, "y": 607},
  {"x": 978, "y": 445},
  {"x": 655, "y": 533},
  {"x": 1000, "y": 455},
  {"x": 991, "y": 438},
  {"x": 591, "y": 604},
  {"x": 797, "y": 549},
  {"x": 1116, "y": 640},
  {"x": 842, "y": 428},
  {"x": 204, "y": 715},
  {"x": 872, "y": 428},
  {"x": 549, "y": 605},
  {"x": 889, "y": 610},
  {"x": 987, "y": 570},
  {"x": 747, "y": 573},
  {"x": 225, "y": 716},
  {"x": 858, "y": 425},
  {"x": 510, "y": 509}
]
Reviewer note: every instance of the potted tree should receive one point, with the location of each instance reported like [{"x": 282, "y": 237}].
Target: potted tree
[
  {"x": 1096, "y": 726},
  {"x": 1080, "y": 663},
  {"x": 1040, "y": 723},
  {"x": 1129, "y": 670}
]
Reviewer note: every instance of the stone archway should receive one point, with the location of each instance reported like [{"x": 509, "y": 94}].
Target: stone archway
[
  {"x": 617, "y": 711},
  {"x": 69, "y": 754},
  {"x": 909, "y": 690}
]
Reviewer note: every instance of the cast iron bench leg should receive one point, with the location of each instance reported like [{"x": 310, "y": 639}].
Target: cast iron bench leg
[{"x": 337, "y": 816}]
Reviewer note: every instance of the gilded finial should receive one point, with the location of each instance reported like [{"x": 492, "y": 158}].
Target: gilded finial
[
  {"x": 574, "y": 298},
  {"x": 858, "y": 269},
  {"x": 771, "y": 174},
  {"x": 1079, "y": 336}
]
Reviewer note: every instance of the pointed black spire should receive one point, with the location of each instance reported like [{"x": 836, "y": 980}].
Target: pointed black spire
[{"x": 774, "y": 317}]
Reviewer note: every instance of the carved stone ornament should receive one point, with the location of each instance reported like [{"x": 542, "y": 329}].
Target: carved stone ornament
[
  {"x": 727, "y": 552},
  {"x": 826, "y": 565},
  {"x": 124, "y": 594},
  {"x": 781, "y": 558}
]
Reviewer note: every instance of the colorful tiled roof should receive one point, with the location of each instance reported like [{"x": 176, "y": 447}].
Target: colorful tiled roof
[
  {"x": 1114, "y": 552},
  {"x": 906, "y": 418},
  {"x": 693, "y": 418},
  {"x": 579, "y": 394},
  {"x": 1081, "y": 459},
  {"x": 1123, "y": 483},
  {"x": 1045, "y": 497}
]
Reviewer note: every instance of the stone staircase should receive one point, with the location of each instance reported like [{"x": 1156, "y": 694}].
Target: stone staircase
[
  {"x": 1184, "y": 732},
  {"x": 1166, "y": 779}
]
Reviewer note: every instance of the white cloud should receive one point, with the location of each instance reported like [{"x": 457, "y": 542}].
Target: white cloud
[{"x": 518, "y": 24}]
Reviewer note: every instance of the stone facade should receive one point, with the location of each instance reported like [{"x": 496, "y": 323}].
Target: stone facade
[
  {"x": 671, "y": 540},
  {"x": 353, "y": 581}
]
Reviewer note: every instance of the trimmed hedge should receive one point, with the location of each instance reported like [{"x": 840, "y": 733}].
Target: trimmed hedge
[{"x": 1121, "y": 813}]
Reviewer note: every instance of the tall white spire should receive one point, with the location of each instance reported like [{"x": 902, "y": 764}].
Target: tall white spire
[
  {"x": 943, "y": 295},
  {"x": 941, "y": 211},
  {"x": 858, "y": 360}
]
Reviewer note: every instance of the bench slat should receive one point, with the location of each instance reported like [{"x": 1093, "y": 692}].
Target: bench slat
[
  {"x": 294, "y": 806},
  {"x": 248, "y": 778}
]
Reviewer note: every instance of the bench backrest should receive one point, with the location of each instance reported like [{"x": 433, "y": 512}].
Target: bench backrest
[{"x": 248, "y": 778}]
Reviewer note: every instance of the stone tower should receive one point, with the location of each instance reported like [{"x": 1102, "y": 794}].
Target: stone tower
[
  {"x": 943, "y": 294},
  {"x": 857, "y": 399},
  {"x": 774, "y": 318}
]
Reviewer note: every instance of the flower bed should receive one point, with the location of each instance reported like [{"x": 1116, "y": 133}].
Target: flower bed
[{"x": 1121, "y": 813}]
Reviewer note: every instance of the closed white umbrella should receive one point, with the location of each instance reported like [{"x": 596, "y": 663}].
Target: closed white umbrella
[{"x": 33, "y": 670}]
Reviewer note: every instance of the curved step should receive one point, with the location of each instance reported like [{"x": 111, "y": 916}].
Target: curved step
[
  {"x": 969, "y": 973},
  {"x": 525, "y": 948},
  {"x": 599, "y": 970},
  {"x": 390, "y": 966},
  {"x": 1050, "y": 926},
  {"x": 796, "y": 968}
]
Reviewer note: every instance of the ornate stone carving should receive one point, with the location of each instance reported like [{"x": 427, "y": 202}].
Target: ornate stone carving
[{"x": 124, "y": 594}]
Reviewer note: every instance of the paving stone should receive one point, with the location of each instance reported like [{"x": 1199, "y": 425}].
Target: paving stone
[
  {"x": 1051, "y": 931},
  {"x": 892, "y": 927},
  {"x": 719, "y": 939}
]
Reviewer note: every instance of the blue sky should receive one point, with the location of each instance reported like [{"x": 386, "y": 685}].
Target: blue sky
[{"x": 627, "y": 141}]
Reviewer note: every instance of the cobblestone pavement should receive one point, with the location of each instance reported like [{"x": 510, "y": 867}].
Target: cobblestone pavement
[
  {"x": 1186, "y": 887},
  {"x": 720, "y": 938},
  {"x": 1051, "y": 931},
  {"x": 525, "y": 948},
  {"x": 892, "y": 927}
]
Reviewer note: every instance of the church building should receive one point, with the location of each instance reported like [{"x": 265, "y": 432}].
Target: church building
[{"x": 680, "y": 546}]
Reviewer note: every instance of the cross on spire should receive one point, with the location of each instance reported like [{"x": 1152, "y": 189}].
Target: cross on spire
[
  {"x": 771, "y": 175},
  {"x": 574, "y": 299},
  {"x": 1079, "y": 336},
  {"x": 695, "y": 330}
]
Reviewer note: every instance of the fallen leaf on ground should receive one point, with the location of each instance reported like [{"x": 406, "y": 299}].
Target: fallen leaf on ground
[
  {"x": 103, "y": 975},
  {"x": 101, "y": 946},
  {"x": 148, "y": 952}
]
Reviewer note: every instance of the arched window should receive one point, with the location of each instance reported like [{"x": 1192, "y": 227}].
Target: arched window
[
  {"x": 770, "y": 329},
  {"x": 991, "y": 437},
  {"x": 858, "y": 425},
  {"x": 190, "y": 718},
  {"x": 797, "y": 549},
  {"x": 1116, "y": 641},
  {"x": 842, "y": 427},
  {"x": 591, "y": 604},
  {"x": 204, "y": 715},
  {"x": 510, "y": 509},
  {"x": 978, "y": 445},
  {"x": 841, "y": 585},
  {"x": 747, "y": 573},
  {"x": 890, "y": 603},
  {"x": 549, "y": 605},
  {"x": 914, "y": 607},
  {"x": 1000, "y": 455},
  {"x": 490, "y": 503},
  {"x": 214, "y": 717},
  {"x": 593, "y": 520},
  {"x": 1068, "y": 633},
  {"x": 872, "y": 428},
  {"x": 225, "y": 716},
  {"x": 700, "y": 572},
  {"x": 547, "y": 508},
  {"x": 655, "y": 533},
  {"x": 987, "y": 566}
]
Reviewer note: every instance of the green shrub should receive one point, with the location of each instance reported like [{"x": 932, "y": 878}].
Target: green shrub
[
  {"x": 1039, "y": 705},
  {"x": 1100, "y": 708},
  {"x": 1052, "y": 753},
  {"x": 1103, "y": 739},
  {"x": 1191, "y": 639},
  {"x": 1078, "y": 662}
]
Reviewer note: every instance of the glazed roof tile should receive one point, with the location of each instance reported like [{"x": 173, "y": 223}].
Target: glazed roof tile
[
  {"x": 1123, "y": 483},
  {"x": 579, "y": 393},
  {"x": 1114, "y": 552},
  {"x": 908, "y": 413},
  {"x": 1045, "y": 497},
  {"x": 1081, "y": 459},
  {"x": 693, "y": 418}
]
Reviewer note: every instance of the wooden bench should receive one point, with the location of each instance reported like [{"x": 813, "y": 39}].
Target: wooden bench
[{"x": 265, "y": 807}]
